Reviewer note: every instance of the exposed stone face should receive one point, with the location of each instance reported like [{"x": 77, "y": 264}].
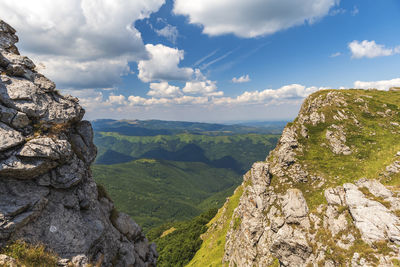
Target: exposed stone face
[
  {"x": 374, "y": 220},
  {"x": 242, "y": 240},
  {"x": 8, "y": 38},
  {"x": 290, "y": 246},
  {"x": 47, "y": 193},
  {"x": 337, "y": 140},
  {"x": 9, "y": 137},
  {"x": 294, "y": 206}
]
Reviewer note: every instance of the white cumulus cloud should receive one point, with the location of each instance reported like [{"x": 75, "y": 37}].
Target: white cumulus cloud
[
  {"x": 169, "y": 32},
  {"x": 163, "y": 65},
  {"x": 181, "y": 100},
  {"x": 206, "y": 87},
  {"x": 380, "y": 85},
  {"x": 163, "y": 89},
  {"x": 287, "y": 92},
  {"x": 94, "y": 39},
  {"x": 251, "y": 18},
  {"x": 117, "y": 99},
  {"x": 247, "y": 104},
  {"x": 370, "y": 49},
  {"x": 241, "y": 79},
  {"x": 98, "y": 73}
]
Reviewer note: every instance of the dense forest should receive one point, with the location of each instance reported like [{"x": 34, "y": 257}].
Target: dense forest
[{"x": 178, "y": 242}]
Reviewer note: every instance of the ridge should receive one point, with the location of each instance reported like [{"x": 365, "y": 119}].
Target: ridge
[{"x": 327, "y": 195}]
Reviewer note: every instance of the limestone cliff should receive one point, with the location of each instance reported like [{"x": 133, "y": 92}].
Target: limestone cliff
[
  {"x": 47, "y": 193},
  {"x": 328, "y": 195}
]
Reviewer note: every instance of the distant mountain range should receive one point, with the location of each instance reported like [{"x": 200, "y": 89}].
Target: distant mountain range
[{"x": 160, "y": 127}]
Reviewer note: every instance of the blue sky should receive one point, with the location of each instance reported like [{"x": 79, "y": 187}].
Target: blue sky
[{"x": 207, "y": 60}]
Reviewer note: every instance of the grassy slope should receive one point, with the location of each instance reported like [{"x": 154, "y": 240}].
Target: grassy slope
[
  {"x": 156, "y": 191},
  {"x": 211, "y": 251},
  {"x": 178, "y": 242},
  {"x": 374, "y": 143},
  {"x": 374, "y": 147}
]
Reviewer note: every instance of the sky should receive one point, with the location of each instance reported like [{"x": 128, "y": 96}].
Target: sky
[{"x": 207, "y": 60}]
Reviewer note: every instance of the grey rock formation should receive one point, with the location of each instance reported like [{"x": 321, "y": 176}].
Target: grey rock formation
[
  {"x": 277, "y": 218},
  {"x": 294, "y": 206},
  {"x": 373, "y": 219},
  {"x": 337, "y": 140},
  {"x": 271, "y": 226},
  {"x": 291, "y": 246},
  {"x": 242, "y": 240},
  {"x": 393, "y": 168},
  {"x": 9, "y": 137},
  {"x": 47, "y": 193}
]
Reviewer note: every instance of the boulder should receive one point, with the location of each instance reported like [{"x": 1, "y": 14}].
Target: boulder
[
  {"x": 374, "y": 220},
  {"x": 294, "y": 206}
]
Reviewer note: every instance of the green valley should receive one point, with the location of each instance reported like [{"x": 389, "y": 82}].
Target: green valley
[
  {"x": 160, "y": 172},
  {"x": 157, "y": 191}
]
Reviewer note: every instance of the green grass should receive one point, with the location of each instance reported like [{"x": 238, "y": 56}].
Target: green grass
[
  {"x": 156, "y": 191},
  {"x": 29, "y": 255},
  {"x": 374, "y": 143},
  {"x": 211, "y": 251}
]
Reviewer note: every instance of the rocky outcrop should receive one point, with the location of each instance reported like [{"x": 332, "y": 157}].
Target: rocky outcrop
[
  {"x": 308, "y": 203},
  {"x": 47, "y": 193},
  {"x": 337, "y": 139},
  {"x": 374, "y": 221}
]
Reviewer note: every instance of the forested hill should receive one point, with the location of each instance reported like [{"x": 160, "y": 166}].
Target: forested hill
[
  {"x": 221, "y": 146},
  {"x": 161, "y": 171}
]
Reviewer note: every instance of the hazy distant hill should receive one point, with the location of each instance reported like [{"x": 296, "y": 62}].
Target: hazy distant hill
[
  {"x": 231, "y": 151},
  {"x": 159, "y": 127}
]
